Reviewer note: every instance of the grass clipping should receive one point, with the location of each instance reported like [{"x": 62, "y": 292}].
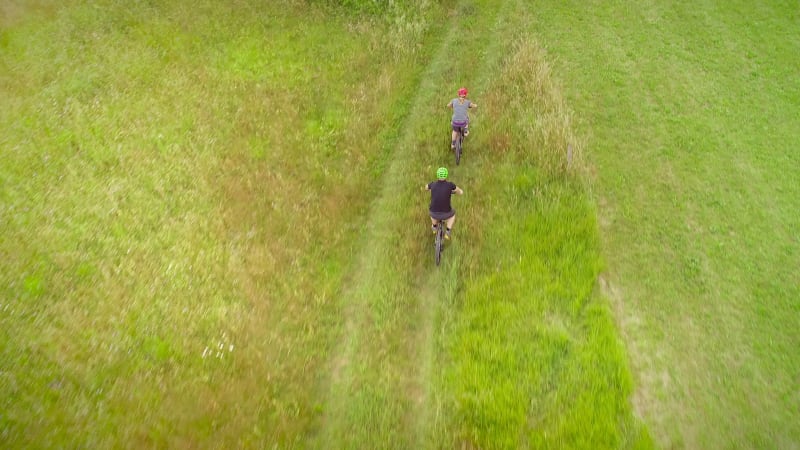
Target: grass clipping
[{"x": 534, "y": 122}]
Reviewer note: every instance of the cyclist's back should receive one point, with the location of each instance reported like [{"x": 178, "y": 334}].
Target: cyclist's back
[
  {"x": 440, "y": 208},
  {"x": 441, "y": 190}
]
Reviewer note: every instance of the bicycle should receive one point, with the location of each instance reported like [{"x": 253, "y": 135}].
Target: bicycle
[{"x": 439, "y": 240}]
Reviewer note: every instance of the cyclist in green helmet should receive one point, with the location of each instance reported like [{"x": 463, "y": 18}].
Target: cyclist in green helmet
[{"x": 440, "y": 208}]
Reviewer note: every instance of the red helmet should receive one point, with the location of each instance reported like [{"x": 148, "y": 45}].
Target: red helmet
[{"x": 462, "y": 91}]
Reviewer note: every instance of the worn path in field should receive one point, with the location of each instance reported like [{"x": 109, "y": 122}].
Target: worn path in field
[
  {"x": 355, "y": 377},
  {"x": 381, "y": 390}
]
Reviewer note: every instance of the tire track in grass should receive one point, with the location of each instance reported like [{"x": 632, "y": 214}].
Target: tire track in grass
[
  {"x": 439, "y": 293},
  {"x": 340, "y": 425},
  {"x": 380, "y": 392},
  {"x": 361, "y": 409}
]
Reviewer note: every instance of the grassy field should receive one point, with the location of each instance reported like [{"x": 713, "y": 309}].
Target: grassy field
[
  {"x": 212, "y": 233},
  {"x": 179, "y": 206},
  {"x": 691, "y": 113}
]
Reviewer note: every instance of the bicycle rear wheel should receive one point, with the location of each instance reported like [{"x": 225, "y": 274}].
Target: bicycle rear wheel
[{"x": 439, "y": 241}]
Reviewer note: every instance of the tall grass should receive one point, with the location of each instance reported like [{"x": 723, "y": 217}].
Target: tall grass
[
  {"x": 404, "y": 24},
  {"x": 529, "y": 109}
]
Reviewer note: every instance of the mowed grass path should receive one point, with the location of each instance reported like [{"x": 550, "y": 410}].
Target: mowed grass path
[
  {"x": 691, "y": 111},
  {"x": 214, "y": 235}
]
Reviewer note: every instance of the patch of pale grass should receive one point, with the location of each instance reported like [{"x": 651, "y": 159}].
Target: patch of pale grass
[{"x": 530, "y": 105}]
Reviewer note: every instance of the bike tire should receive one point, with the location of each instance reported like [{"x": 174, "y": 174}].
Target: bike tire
[
  {"x": 439, "y": 242},
  {"x": 459, "y": 143}
]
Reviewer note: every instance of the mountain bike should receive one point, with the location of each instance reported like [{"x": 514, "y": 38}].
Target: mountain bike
[{"x": 439, "y": 240}]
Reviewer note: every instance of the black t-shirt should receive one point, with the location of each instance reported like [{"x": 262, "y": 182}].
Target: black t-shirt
[{"x": 440, "y": 195}]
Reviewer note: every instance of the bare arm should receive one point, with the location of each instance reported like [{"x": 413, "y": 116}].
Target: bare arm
[{"x": 458, "y": 191}]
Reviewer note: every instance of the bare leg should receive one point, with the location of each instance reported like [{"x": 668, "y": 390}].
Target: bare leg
[{"x": 450, "y": 222}]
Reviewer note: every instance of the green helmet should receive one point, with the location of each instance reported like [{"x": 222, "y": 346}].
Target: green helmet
[{"x": 441, "y": 173}]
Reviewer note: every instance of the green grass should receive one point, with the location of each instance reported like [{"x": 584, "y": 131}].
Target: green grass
[
  {"x": 690, "y": 111},
  {"x": 213, "y": 233},
  {"x": 178, "y": 204}
]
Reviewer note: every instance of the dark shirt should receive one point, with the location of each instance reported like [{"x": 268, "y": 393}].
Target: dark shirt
[{"x": 440, "y": 195}]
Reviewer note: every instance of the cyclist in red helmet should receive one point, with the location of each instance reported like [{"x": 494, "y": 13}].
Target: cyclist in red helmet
[{"x": 461, "y": 107}]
